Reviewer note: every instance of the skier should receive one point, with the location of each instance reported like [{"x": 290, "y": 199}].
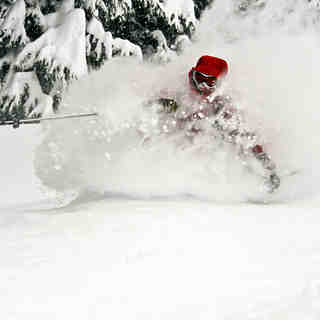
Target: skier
[{"x": 202, "y": 107}]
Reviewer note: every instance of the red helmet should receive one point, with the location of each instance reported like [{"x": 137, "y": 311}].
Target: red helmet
[{"x": 203, "y": 77}]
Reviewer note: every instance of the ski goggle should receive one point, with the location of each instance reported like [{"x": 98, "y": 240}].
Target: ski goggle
[{"x": 201, "y": 78}]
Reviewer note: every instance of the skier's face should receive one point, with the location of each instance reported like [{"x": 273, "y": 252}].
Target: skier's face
[{"x": 203, "y": 82}]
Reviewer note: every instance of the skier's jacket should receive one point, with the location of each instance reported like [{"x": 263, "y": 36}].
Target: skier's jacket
[{"x": 195, "y": 112}]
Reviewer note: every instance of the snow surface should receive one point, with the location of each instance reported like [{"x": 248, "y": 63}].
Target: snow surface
[
  {"x": 116, "y": 257},
  {"x": 164, "y": 230}
]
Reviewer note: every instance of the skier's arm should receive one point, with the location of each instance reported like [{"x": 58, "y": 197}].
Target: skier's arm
[{"x": 166, "y": 99}]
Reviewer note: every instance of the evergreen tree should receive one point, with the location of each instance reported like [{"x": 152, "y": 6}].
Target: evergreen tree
[
  {"x": 12, "y": 38},
  {"x": 45, "y": 44},
  {"x": 200, "y": 6},
  {"x": 34, "y": 22}
]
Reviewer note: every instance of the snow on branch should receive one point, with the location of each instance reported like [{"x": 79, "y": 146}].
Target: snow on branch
[
  {"x": 59, "y": 17},
  {"x": 118, "y": 8},
  {"x": 125, "y": 48},
  {"x": 67, "y": 6},
  {"x": 5, "y": 66},
  {"x": 35, "y": 23},
  {"x": 98, "y": 44},
  {"x": 12, "y": 32},
  {"x": 177, "y": 10},
  {"x": 163, "y": 53},
  {"x": 24, "y": 98},
  {"x": 182, "y": 43},
  {"x": 92, "y": 6},
  {"x": 59, "y": 54}
]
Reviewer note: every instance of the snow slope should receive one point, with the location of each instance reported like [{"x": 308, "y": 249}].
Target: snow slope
[
  {"x": 165, "y": 231},
  {"x": 117, "y": 258},
  {"x": 176, "y": 257}
]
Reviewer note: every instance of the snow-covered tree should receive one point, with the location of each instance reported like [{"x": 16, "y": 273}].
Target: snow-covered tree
[
  {"x": 34, "y": 22},
  {"x": 12, "y": 32},
  {"x": 12, "y": 38},
  {"x": 24, "y": 97},
  {"x": 98, "y": 44},
  {"x": 138, "y": 19},
  {"x": 200, "y": 6},
  {"x": 45, "y": 44},
  {"x": 58, "y": 55}
]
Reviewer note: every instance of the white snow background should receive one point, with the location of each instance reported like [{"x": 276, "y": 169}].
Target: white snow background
[{"x": 163, "y": 230}]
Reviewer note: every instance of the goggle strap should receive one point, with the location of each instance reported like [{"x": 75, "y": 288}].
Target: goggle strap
[{"x": 205, "y": 75}]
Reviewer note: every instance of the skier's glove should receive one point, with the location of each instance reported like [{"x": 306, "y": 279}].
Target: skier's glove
[
  {"x": 169, "y": 105},
  {"x": 272, "y": 183}
]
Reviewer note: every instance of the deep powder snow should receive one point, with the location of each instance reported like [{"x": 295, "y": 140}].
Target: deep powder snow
[{"x": 274, "y": 72}]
